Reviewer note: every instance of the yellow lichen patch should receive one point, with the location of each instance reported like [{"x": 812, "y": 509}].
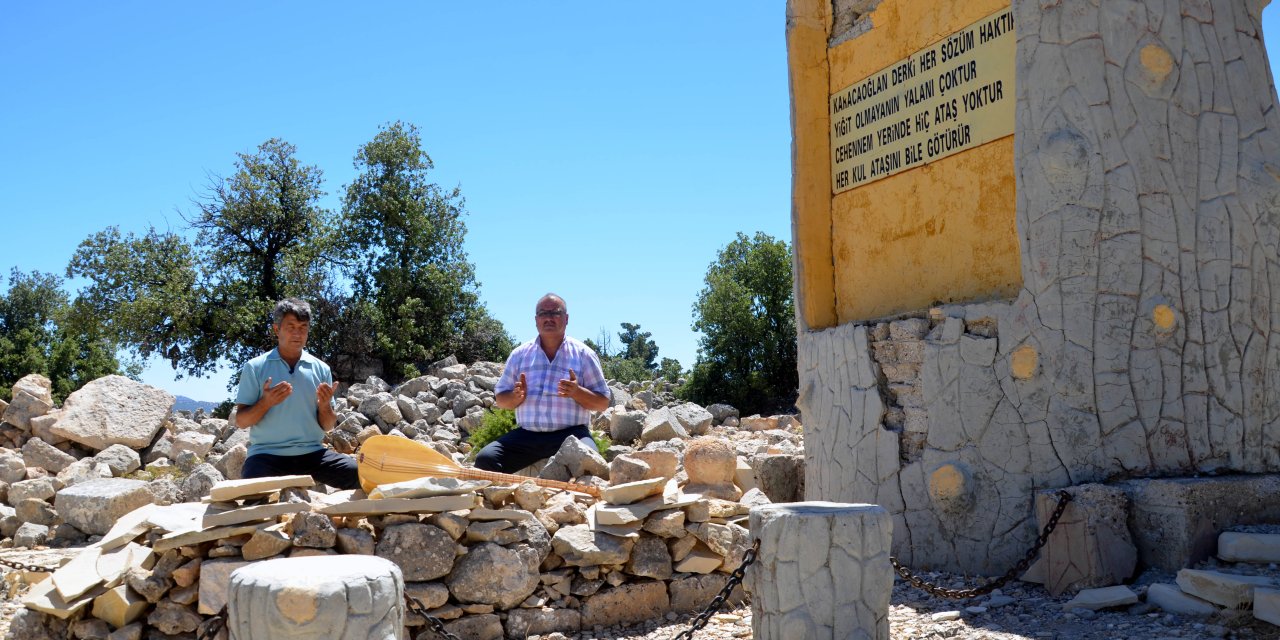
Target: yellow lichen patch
[
  {"x": 947, "y": 483},
  {"x": 1163, "y": 317},
  {"x": 297, "y": 604},
  {"x": 1157, "y": 61},
  {"x": 1024, "y": 361}
]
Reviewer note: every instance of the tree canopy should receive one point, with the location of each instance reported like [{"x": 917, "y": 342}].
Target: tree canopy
[{"x": 745, "y": 312}]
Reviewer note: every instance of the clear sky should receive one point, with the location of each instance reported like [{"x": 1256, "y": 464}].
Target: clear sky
[{"x": 606, "y": 150}]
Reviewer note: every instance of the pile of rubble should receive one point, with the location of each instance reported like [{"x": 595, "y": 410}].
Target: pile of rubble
[{"x": 155, "y": 496}]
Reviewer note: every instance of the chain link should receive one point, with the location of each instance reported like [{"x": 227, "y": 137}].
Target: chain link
[
  {"x": 717, "y": 602},
  {"x": 960, "y": 594},
  {"x": 212, "y": 626},
  {"x": 436, "y": 624},
  {"x": 22, "y": 566}
]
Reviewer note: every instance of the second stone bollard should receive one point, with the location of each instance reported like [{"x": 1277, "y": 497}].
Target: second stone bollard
[
  {"x": 317, "y": 597},
  {"x": 823, "y": 571}
]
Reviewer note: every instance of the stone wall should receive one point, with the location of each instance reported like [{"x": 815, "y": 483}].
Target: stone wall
[{"x": 1146, "y": 337}]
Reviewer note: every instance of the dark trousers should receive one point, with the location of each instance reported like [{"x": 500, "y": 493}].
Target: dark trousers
[
  {"x": 326, "y": 465},
  {"x": 520, "y": 448}
]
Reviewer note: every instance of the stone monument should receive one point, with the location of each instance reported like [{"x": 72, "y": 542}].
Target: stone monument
[{"x": 1036, "y": 246}]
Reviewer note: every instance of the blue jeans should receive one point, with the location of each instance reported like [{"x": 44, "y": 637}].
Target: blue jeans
[
  {"x": 326, "y": 465},
  {"x": 520, "y": 448}
]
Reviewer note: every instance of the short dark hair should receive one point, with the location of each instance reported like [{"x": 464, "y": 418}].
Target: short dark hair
[{"x": 299, "y": 308}]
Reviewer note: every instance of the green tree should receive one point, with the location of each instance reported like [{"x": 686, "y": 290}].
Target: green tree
[
  {"x": 260, "y": 235},
  {"x": 638, "y": 346},
  {"x": 39, "y": 334},
  {"x": 403, "y": 243},
  {"x": 747, "y": 353}
]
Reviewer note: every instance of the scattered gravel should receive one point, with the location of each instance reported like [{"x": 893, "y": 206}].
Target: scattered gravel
[{"x": 1021, "y": 611}]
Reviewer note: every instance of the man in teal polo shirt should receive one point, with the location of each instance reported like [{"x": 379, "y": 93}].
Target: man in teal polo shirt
[{"x": 286, "y": 400}]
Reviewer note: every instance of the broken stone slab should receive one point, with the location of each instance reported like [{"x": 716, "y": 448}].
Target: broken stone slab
[
  {"x": 1172, "y": 600},
  {"x": 229, "y": 490},
  {"x": 114, "y": 410},
  {"x": 434, "y": 504},
  {"x": 94, "y": 506},
  {"x": 180, "y": 516},
  {"x": 78, "y": 576},
  {"x": 113, "y": 564},
  {"x": 1235, "y": 546},
  {"x": 1102, "y": 598},
  {"x": 1091, "y": 546},
  {"x": 1223, "y": 589},
  {"x": 251, "y": 514},
  {"x": 699, "y": 559},
  {"x": 339, "y": 597},
  {"x": 514, "y": 515},
  {"x": 427, "y": 487},
  {"x": 188, "y": 538},
  {"x": 1266, "y": 605},
  {"x": 631, "y": 492},
  {"x": 823, "y": 571},
  {"x": 44, "y": 597}
]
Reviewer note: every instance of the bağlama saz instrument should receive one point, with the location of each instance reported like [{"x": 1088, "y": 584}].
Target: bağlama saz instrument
[{"x": 385, "y": 459}]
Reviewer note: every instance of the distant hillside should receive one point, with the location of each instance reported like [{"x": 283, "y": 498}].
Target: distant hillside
[{"x": 187, "y": 404}]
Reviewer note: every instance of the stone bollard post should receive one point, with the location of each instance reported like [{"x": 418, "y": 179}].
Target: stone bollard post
[
  {"x": 317, "y": 597},
  {"x": 823, "y": 571}
]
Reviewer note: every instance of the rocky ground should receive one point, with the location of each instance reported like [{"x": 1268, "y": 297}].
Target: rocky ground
[{"x": 1022, "y": 611}]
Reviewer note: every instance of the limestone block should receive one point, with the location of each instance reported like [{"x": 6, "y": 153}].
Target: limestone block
[
  {"x": 823, "y": 571},
  {"x": 490, "y": 574},
  {"x": 38, "y": 453},
  {"x": 692, "y": 593},
  {"x": 44, "y": 597},
  {"x": 1223, "y": 589},
  {"x": 630, "y": 492},
  {"x": 193, "y": 441},
  {"x": 581, "y": 547},
  {"x": 114, "y": 410},
  {"x": 12, "y": 466},
  {"x": 781, "y": 477},
  {"x": 574, "y": 459},
  {"x": 1175, "y": 521},
  {"x": 215, "y": 582},
  {"x": 356, "y": 541},
  {"x": 422, "y": 551},
  {"x": 314, "y": 530},
  {"x": 94, "y": 506},
  {"x": 626, "y": 427},
  {"x": 486, "y": 626},
  {"x": 1091, "y": 546},
  {"x": 35, "y": 489},
  {"x": 525, "y": 623},
  {"x": 650, "y": 559},
  {"x": 1266, "y": 605},
  {"x": 32, "y": 396},
  {"x": 120, "y": 459},
  {"x": 1234, "y": 546},
  {"x": 711, "y": 465},
  {"x": 119, "y": 606},
  {"x": 340, "y": 597},
  {"x": 264, "y": 543},
  {"x": 661, "y": 424},
  {"x": 697, "y": 558},
  {"x": 626, "y": 604},
  {"x": 433, "y": 504},
  {"x": 235, "y": 489},
  {"x": 219, "y": 518},
  {"x": 692, "y": 417},
  {"x": 1104, "y": 598},
  {"x": 1172, "y": 600},
  {"x": 172, "y": 618}
]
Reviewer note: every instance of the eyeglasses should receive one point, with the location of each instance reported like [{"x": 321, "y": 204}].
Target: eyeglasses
[{"x": 551, "y": 313}]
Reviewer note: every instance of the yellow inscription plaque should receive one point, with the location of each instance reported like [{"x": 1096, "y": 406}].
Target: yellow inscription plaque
[{"x": 954, "y": 95}]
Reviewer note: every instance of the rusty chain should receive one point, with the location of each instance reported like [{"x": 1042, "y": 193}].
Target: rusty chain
[
  {"x": 717, "y": 602},
  {"x": 960, "y": 594},
  {"x": 436, "y": 624},
  {"x": 22, "y": 566}
]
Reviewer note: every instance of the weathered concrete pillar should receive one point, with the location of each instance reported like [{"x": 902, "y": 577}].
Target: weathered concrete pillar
[
  {"x": 823, "y": 571},
  {"x": 345, "y": 597}
]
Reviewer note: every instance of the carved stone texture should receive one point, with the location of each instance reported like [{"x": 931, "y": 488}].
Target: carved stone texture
[
  {"x": 823, "y": 571},
  {"x": 1146, "y": 338},
  {"x": 338, "y": 597}
]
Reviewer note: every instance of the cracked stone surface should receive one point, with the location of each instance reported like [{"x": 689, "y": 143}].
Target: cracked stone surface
[{"x": 1146, "y": 338}]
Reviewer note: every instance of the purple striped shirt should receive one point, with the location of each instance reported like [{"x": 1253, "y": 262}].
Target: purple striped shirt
[{"x": 543, "y": 409}]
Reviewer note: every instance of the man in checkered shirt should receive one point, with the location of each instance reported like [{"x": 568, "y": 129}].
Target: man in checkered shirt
[{"x": 553, "y": 382}]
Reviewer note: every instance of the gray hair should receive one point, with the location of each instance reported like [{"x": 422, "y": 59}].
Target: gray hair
[
  {"x": 299, "y": 308},
  {"x": 551, "y": 296}
]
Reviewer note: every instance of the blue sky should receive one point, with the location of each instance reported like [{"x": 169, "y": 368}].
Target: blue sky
[{"x": 606, "y": 150}]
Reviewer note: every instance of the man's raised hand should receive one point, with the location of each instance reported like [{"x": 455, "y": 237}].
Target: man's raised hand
[
  {"x": 522, "y": 389},
  {"x": 568, "y": 387},
  {"x": 275, "y": 395},
  {"x": 324, "y": 393}
]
